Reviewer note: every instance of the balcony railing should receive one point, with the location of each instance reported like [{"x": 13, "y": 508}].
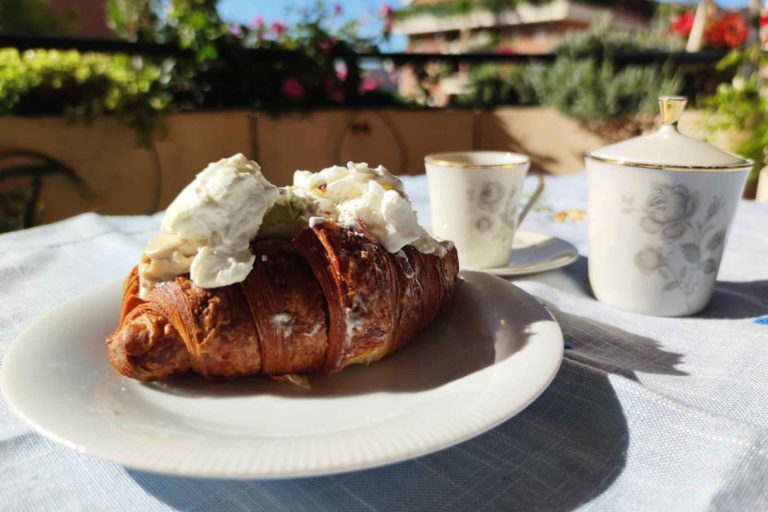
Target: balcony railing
[{"x": 23, "y": 42}]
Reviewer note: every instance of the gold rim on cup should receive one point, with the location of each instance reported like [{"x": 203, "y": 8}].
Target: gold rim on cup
[{"x": 443, "y": 160}]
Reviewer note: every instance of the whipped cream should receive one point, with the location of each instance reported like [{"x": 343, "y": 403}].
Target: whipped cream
[
  {"x": 207, "y": 229},
  {"x": 357, "y": 193},
  {"x": 327, "y": 188}
]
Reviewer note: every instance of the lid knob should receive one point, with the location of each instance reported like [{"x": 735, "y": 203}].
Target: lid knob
[{"x": 671, "y": 108}]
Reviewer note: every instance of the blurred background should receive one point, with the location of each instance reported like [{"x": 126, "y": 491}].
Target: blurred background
[{"x": 114, "y": 105}]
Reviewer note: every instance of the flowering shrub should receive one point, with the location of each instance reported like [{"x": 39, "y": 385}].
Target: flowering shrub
[
  {"x": 739, "y": 108},
  {"x": 317, "y": 67},
  {"x": 739, "y": 105},
  {"x": 583, "y": 81},
  {"x": 729, "y": 30},
  {"x": 86, "y": 85},
  {"x": 321, "y": 68}
]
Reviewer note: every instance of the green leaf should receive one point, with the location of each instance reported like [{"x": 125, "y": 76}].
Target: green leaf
[
  {"x": 732, "y": 59},
  {"x": 708, "y": 266},
  {"x": 207, "y": 52},
  {"x": 716, "y": 240},
  {"x": 691, "y": 252},
  {"x": 672, "y": 285}
]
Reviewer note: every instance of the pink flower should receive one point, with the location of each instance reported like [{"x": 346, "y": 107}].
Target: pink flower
[
  {"x": 368, "y": 85},
  {"x": 341, "y": 73},
  {"x": 292, "y": 89},
  {"x": 258, "y": 21},
  {"x": 683, "y": 25},
  {"x": 235, "y": 30},
  {"x": 337, "y": 10},
  {"x": 278, "y": 28},
  {"x": 330, "y": 86}
]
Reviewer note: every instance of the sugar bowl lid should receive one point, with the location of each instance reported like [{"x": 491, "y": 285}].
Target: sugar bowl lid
[{"x": 669, "y": 149}]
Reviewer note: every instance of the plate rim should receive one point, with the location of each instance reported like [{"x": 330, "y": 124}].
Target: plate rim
[{"x": 103, "y": 455}]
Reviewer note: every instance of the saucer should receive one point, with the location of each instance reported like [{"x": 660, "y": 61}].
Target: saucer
[{"x": 533, "y": 253}]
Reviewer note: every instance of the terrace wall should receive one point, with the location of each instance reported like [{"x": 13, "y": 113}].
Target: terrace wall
[{"x": 126, "y": 179}]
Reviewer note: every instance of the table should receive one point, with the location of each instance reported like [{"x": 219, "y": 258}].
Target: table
[{"x": 645, "y": 413}]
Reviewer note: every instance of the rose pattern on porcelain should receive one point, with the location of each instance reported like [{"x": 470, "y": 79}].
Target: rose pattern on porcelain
[
  {"x": 474, "y": 199},
  {"x": 669, "y": 211},
  {"x": 496, "y": 206}
]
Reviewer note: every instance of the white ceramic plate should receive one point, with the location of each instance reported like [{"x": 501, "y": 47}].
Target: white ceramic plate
[
  {"x": 484, "y": 361},
  {"x": 535, "y": 252}
]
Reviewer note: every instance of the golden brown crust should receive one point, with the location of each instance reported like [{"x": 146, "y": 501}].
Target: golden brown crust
[
  {"x": 359, "y": 280},
  {"x": 332, "y": 298},
  {"x": 288, "y": 307},
  {"x": 130, "y": 293},
  {"x": 215, "y": 324},
  {"x": 147, "y": 347},
  {"x": 377, "y": 301},
  {"x": 425, "y": 287}
]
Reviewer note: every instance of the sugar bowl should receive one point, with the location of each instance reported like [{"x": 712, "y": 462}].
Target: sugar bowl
[{"x": 660, "y": 209}]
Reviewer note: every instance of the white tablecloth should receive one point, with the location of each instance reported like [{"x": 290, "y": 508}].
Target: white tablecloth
[{"x": 645, "y": 413}]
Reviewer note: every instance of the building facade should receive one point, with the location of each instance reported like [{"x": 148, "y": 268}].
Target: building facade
[{"x": 434, "y": 26}]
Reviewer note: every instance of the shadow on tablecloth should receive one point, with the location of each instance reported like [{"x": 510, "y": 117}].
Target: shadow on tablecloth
[
  {"x": 737, "y": 300},
  {"x": 613, "y": 350},
  {"x": 562, "y": 451},
  {"x": 730, "y": 300}
]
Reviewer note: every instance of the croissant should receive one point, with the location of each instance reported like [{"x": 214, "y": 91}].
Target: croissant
[{"x": 329, "y": 298}]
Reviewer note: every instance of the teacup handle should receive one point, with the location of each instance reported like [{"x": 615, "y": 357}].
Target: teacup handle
[{"x": 535, "y": 197}]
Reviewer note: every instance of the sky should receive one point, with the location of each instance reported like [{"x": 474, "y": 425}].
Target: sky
[
  {"x": 365, "y": 11},
  {"x": 246, "y": 10},
  {"x": 728, "y": 4},
  {"x": 243, "y": 11}
]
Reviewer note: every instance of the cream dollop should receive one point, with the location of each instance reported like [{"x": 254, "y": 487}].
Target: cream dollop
[
  {"x": 207, "y": 229},
  {"x": 357, "y": 193}
]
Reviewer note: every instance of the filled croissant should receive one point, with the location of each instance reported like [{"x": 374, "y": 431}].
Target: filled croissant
[
  {"x": 247, "y": 278},
  {"x": 331, "y": 297}
]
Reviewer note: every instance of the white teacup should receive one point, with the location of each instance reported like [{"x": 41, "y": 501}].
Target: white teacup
[{"x": 474, "y": 198}]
